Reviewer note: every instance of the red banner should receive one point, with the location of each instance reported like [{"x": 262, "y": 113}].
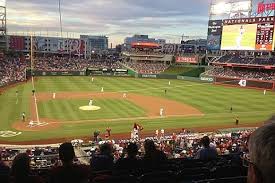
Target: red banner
[
  {"x": 17, "y": 43},
  {"x": 265, "y": 7},
  {"x": 190, "y": 59}
]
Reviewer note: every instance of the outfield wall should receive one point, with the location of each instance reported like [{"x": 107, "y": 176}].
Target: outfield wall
[{"x": 270, "y": 85}]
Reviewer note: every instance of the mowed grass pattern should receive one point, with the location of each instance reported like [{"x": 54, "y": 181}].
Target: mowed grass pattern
[
  {"x": 68, "y": 110},
  {"x": 214, "y": 101}
]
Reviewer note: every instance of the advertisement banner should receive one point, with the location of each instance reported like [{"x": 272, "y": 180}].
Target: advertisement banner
[
  {"x": 215, "y": 27},
  {"x": 60, "y": 73},
  {"x": 188, "y": 59},
  {"x": 41, "y": 44},
  {"x": 17, "y": 43},
  {"x": 245, "y": 83},
  {"x": 214, "y": 35}
]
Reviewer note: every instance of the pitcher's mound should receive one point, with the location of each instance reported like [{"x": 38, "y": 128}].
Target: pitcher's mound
[{"x": 89, "y": 108}]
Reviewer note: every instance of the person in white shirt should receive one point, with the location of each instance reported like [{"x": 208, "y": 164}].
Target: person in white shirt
[
  {"x": 161, "y": 112},
  {"x": 91, "y": 102}
]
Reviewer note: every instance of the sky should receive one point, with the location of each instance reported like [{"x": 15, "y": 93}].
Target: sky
[{"x": 117, "y": 19}]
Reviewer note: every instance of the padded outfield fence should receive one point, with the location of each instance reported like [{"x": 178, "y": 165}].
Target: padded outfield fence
[{"x": 270, "y": 85}]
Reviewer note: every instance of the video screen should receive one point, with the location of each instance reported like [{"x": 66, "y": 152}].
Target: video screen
[{"x": 239, "y": 37}]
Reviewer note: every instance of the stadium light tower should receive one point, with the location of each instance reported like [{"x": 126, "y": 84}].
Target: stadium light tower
[{"x": 3, "y": 25}]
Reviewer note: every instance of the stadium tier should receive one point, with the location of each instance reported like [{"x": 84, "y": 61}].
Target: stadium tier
[{"x": 75, "y": 110}]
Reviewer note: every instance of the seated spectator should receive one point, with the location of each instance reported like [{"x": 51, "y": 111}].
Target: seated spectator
[
  {"x": 104, "y": 160},
  {"x": 131, "y": 161},
  {"x": 69, "y": 172},
  {"x": 4, "y": 170},
  {"x": 207, "y": 153},
  {"x": 153, "y": 156},
  {"x": 20, "y": 170},
  {"x": 261, "y": 160}
]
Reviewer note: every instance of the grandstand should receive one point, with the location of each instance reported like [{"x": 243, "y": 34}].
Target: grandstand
[{"x": 154, "y": 113}]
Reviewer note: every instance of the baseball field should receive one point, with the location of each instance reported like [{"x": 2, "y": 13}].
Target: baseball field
[{"x": 123, "y": 101}]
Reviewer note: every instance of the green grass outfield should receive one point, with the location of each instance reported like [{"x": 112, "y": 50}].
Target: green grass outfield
[{"x": 214, "y": 101}]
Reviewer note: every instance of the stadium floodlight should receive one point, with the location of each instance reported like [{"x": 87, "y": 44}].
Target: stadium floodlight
[
  {"x": 3, "y": 3},
  {"x": 221, "y": 8},
  {"x": 231, "y": 7}
]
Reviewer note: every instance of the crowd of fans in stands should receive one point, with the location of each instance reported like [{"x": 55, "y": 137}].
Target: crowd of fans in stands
[
  {"x": 186, "y": 156},
  {"x": 73, "y": 64},
  {"x": 265, "y": 75},
  {"x": 147, "y": 67},
  {"x": 12, "y": 70},
  {"x": 109, "y": 155},
  {"x": 239, "y": 59}
]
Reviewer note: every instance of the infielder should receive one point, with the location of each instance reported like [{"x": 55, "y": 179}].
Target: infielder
[
  {"x": 53, "y": 95},
  {"x": 124, "y": 95},
  {"x": 264, "y": 92},
  {"x": 23, "y": 116},
  {"x": 161, "y": 112},
  {"x": 91, "y": 102}
]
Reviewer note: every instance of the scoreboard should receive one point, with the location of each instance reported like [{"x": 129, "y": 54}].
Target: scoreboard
[
  {"x": 255, "y": 34},
  {"x": 264, "y": 36}
]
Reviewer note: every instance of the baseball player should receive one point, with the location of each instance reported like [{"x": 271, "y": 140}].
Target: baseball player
[
  {"x": 23, "y": 116},
  {"x": 264, "y": 92},
  {"x": 124, "y": 95},
  {"x": 102, "y": 89},
  {"x": 92, "y": 79},
  {"x": 54, "y": 95},
  {"x": 169, "y": 83},
  {"x": 91, "y": 102},
  {"x": 240, "y": 37},
  {"x": 161, "y": 112}
]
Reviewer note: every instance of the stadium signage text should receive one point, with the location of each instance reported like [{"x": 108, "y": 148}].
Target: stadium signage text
[
  {"x": 248, "y": 20},
  {"x": 148, "y": 76},
  {"x": 265, "y": 7},
  {"x": 192, "y": 60},
  {"x": 207, "y": 79}
]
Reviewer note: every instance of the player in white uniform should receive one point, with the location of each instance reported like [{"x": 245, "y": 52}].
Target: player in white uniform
[
  {"x": 102, "y": 89},
  {"x": 54, "y": 95},
  {"x": 161, "y": 112},
  {"x": 124, "y": 95},
  {"x": 240, "y": 37},
  {"x": 264, "y": 92},
  {"x": 92, "y": 79},
  {"x": 91, "y": 102},
  {"x": 169, "y": 83}
]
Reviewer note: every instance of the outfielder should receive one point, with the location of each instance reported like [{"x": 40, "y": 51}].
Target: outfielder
[
  {"x": 124, "y": 95},
  {"x": 102, "y": 89},
  {"x": 264, "y": 92}
]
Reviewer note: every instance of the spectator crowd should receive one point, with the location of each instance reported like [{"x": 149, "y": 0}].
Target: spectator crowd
[
  {"x": 11, "y": 71},
  {"x": 122, "y": 156},
  {"x": 265, "y": 75},
  {"x": 147, "y": 67},
  {"x": 246, "y": 60}
]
